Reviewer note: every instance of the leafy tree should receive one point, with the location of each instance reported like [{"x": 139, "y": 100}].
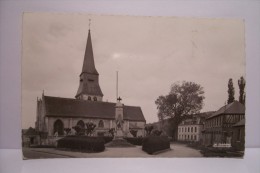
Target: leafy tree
[
  {"x": 184, "y": 99},
  {"x": 112, "y": 131},
  {"x": 90, "y": 128},
  {"x": 148, "y": 129},
  {"x": 134, "y": 133},
  {"x": 79, "y": 130},
  {"x": 241, "y": 85},
  {"x": 231, "y": 91},
  {"x": 67, "y": 130}
]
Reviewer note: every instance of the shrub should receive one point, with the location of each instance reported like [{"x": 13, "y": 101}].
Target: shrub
[
  {"x": 135, "y": 141},
  {"x": 82, "y": 143},
  {"x": 79, "y": 130},
  {"x": 107, "y": 139},
  {"x": 156, "y": 132},
  {"x": 148, "y": 129},
  {"x": 153, "y": 144},
  {"x": 100, "y": 134},
  {"x": 221, "y": 152},
  {"x": 134, "y": 133},
  {"x": 90, "y": 128},
  {"x": 112, "y": 131}
]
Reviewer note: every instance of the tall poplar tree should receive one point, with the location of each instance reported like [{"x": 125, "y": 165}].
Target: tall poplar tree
[
  {"x": 241, "y": 85},
  {"x": 231, "y": 91}
]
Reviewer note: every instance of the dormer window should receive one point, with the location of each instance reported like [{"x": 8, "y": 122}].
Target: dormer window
[
  {"x": 95, "y": 98},
  {"x": 89, "y": 98}
]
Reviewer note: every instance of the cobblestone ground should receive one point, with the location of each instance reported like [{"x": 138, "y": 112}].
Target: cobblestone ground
[{"x": 177, "y": 150}]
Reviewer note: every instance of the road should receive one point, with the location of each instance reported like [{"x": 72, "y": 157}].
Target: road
[{"x": 177, "y": 150}]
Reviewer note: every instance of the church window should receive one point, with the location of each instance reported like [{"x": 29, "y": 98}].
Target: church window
[
  {"x": 95, "y": 98},
  {"x": 101, "y": 124},
  {"x": 89, "y": 98},
  {"x": 58, "y": 128}
]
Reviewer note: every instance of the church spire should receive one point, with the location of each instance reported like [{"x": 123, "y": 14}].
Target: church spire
[
  {"x": 89, "y": 88},
  {"x": 89, "y": 64}
]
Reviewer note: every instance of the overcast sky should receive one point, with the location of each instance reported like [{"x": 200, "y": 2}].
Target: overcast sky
[{"x": 150, "y": 53}]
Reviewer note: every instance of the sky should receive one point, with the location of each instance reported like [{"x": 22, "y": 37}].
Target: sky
[{"x": 150, "y": 53}]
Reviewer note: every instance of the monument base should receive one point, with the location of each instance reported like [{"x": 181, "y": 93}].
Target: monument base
[{"x": 119, "y": 141}]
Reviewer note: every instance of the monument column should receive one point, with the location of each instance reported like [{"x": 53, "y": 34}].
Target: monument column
[{"x": 119, "y": 119}]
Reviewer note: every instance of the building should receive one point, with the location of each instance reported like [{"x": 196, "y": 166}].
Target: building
[
  {"x": 56, "y": 114},
  {"x": 218, "y": 128},
  {"x": 238, "y": 136},
  {"x": 29, "y": 137},
  {"x": 190, "y": 128}
]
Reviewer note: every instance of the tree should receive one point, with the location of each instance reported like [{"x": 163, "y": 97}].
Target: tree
[
  {"x": 184, "y": 99},
  {"x": 67, "y": 130},
  {"x": 112, "y": 132},
  {"x": 148, "y": 129},
  {"x": 241, "y": 85},
  {"x": 134, "y": 133},
  {"x": 231, "y": 91},
  {"x": 90, "y": 128},
  {"x": 79, "y": 130}
]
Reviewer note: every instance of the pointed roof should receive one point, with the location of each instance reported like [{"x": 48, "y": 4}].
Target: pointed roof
[
  {"x": 89, "y": 64},
  {"x": 232, "y": 108}
]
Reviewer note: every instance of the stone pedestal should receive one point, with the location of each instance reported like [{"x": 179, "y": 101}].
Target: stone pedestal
[
  {"x": 119, "y": 140},
  {"x": 119, "y": 134}
]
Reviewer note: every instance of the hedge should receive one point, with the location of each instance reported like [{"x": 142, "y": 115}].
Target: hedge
[
  {"x": 153, "y": 144},
  {"x": 107, "y": 138},
  {"x": 135, "y": 141},
  {"x": 82, "y": 143}
]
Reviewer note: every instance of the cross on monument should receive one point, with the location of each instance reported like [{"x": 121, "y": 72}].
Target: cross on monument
[{"x": 119, "y": 99}]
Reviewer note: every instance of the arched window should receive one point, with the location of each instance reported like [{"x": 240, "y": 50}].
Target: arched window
[
  {"x": 95, "y": 98},
  {"x": 101, "y": 124},
  {"x": 81, "y": 123},
  {"x": 58, "y": 128},
  {"x": 89, "y": 98}
]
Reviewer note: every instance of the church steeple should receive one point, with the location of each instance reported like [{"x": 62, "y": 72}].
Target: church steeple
[
  {"x": 89, "y": 64},
  {"x": 89, "y": 88}
]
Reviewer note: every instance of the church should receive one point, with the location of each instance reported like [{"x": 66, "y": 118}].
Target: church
[{"x": 55, "y": 114}]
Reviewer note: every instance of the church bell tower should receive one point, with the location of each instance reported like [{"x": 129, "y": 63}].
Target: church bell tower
[{"x": 89, "y": 88}]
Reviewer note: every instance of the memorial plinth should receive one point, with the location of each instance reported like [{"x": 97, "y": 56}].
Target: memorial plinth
[{"x": 119, "y": 141}]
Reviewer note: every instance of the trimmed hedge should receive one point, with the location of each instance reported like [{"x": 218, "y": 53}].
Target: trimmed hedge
[
  {"x": 82, "y": 143},
  {"x": 153, "y": 144},
  {"x": 220, "y": 152},
  {"x": 135, "y": 141},
  {"x": 107, "y": 139}
]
